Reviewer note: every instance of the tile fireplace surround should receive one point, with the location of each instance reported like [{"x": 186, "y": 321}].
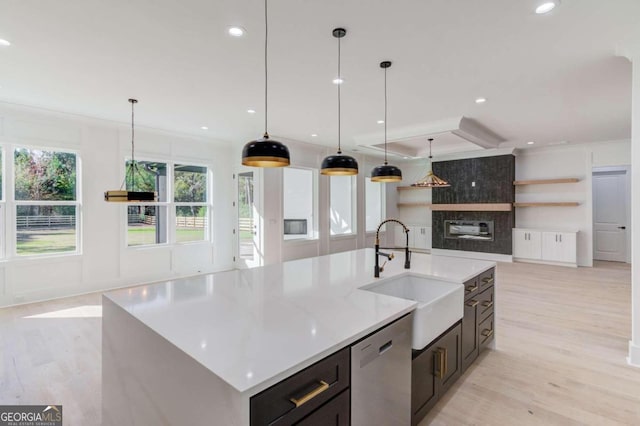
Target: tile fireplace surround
[{"x": 476, "y": 181}]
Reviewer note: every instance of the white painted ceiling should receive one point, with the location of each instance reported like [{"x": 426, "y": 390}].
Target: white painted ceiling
[{"x": 547, "y": 78}]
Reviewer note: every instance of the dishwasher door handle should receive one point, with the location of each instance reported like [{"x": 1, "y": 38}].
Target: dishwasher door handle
[
  {"x": 385, "y": 347},
  {"x": 369, "y": 353}
]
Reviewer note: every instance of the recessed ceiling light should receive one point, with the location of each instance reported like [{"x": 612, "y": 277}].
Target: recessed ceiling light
[
  {"x": 338, "y": 81},
  {"x": 380, "y": 121},
  {"x": 204, "y": 128},
  {"x": 313, "y": 135},
  {"x": 530, "y": 143},
  {"x": 481, "y": 100},
  {"x": 236, "y": 31},
  {"x": 546, "y": 7},
  {"x": 251, "y": 111},
  {"x": 406, "y": 158},
  {"x": 4, "y": 42}
]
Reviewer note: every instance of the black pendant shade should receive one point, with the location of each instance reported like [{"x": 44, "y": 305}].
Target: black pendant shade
[
  {"x": 339, "y": 164},
  {"x": 265, "y": 152},
  {"x": 385, "y": 173}
]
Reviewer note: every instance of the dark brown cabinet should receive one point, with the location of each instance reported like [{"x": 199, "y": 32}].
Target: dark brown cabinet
[
  {"x": 313, "y": 396},
  {"x": 333, "y": 413},
  {"x": 477, "y": 322},
  {"x": 434, "y": 369}
]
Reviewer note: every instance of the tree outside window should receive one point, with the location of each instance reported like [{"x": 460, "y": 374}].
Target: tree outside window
[{"x": 46, "y": 201}]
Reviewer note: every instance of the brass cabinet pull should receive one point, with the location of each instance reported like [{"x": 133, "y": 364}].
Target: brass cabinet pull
[
  {"x": 487, "y": 303},
  {"x": 487, "y": 280},
  {"x": 471, "y": 289},
  {"x": 442, "y": 362},
  {"x": 487, "y": 333},
  {"x": 308, "y": 397},
  {"x": 472, "y": 303}
]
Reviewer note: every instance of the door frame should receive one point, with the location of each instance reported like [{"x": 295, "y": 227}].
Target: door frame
[{"x": 627, "y": 172}]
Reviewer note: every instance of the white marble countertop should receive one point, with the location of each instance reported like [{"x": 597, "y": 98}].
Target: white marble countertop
[{"x": 254, "y": 327}]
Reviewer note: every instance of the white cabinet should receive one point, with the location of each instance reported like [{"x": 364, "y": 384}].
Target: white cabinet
[
  {"x": 559, "y": 246},
  {"x": 422, "y": 237},
  {"x": 545, "y": 246},
  {"x": 419, "y": 237},
  {"x": 527, "y": 244}
]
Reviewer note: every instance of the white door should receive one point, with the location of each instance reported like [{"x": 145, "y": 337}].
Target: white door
[
  {"x": 610, "y": 207},
  {"x": 249, "y": 230}
]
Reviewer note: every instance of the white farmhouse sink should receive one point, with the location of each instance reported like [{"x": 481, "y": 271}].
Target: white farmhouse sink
[{"x": 440, "y": 304}]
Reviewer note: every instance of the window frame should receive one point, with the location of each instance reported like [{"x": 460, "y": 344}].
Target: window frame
[
  {"x": 169, "y": 204},
  {"x": 10, "y": 205},
  {"x": 315, "y": 230},
  {"x": 383, "y": 205},
  {"x": 206, "y": 203},
  {"x": 354, "y": 208}
]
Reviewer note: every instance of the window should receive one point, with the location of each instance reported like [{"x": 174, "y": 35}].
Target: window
[
  {"x": 147, "y": 223},
  {"x": 46, "y": 202},
  {"x": 374, "y": 204},
  {"x": 342, "y": 205},
  {"x": 190, "y": 197},
  {"x": 299, "y": 195}
]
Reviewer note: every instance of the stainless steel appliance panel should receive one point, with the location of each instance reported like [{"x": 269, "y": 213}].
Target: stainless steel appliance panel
[{"x": 381, "y": 377}]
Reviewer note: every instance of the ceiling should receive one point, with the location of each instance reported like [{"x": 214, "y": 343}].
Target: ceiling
[{"x": 547, "y": 78}]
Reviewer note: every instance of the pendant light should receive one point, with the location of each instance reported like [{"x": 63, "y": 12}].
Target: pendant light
[
  {"x": 130, "y": 195},
  {"x": 265, "y": 152},
  {"x": 386, "y": 172},
  {"x": 431, "y": 180},
  {"x": 339, "y": 164}
]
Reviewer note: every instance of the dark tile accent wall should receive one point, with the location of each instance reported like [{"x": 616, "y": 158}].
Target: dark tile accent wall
[
  {"x": 493, "y": 177},
  {"x": 476, "y": 180}
]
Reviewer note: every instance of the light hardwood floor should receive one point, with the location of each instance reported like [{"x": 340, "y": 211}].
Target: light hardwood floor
[{"x": 562, "y": 337}]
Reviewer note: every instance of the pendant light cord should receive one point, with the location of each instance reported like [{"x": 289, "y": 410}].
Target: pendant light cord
[
  {"x": 266, "y": 37},
  {"x": 385, "y": 116},
  {"x": 339, "y": 84}
]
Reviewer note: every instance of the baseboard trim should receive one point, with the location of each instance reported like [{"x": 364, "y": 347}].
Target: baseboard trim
[
  {"x": 473, "y": 255},
  {"x": 634, "y": 355},
  {"x": 545, "y": 262}
]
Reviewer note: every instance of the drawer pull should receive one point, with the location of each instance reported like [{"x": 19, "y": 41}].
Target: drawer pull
[
  {"x": 442, "y": 363},
  {"x": 487, "y": 280},
  {"x": 487, "y": 333},
  {"x": 471, "y": 289},
  {"x": 472, "y": 304},
  {"x": 487, "y": 303},
  {"x": 308, "y": 397}
]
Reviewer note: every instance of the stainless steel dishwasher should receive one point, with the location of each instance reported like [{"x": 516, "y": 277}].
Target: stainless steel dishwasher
[{"x": 381, "y": 376}]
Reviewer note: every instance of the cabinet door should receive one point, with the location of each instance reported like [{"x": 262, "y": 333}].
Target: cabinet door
[
  {"x": 333, "y": 413},
  {"x": 421, "y": 236},
  {"x": 469, "y": 333},
  {"x": 527, "y": 244},
  {"x": 423, "y": 384},
  {"x": 433, "y": 371},
  {"x": 567, "y": 247},
  {"x": 450, "y": 365},
  {"x": 400, "y": 239}
]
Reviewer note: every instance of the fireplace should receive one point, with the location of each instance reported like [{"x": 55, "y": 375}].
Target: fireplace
[{"x": 477, "y": 230}]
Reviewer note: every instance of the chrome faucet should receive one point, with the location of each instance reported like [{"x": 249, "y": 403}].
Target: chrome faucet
[{"x": 407, "y": 253}]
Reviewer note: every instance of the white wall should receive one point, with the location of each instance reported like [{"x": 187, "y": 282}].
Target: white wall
[
  {"x": 634, "y": 344},
  {"x": 104, "y": 261}
]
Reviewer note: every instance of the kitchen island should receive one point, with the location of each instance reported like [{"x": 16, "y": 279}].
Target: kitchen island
[{"x": 195, "y": 350}]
